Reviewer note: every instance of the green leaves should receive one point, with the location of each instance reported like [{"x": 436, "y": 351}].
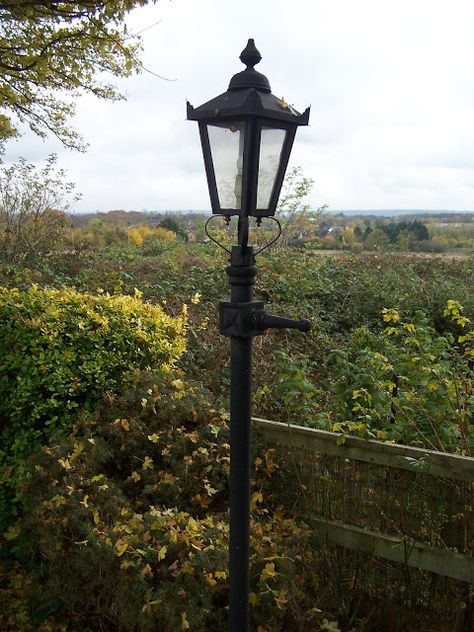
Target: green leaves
[
  {"x": 160, "y": 538},
  {"x": 61, "y": 350},
  {"x": 407, "y": 384},
  {"x": 53, "y": 51},
  {"x": 33, "y": 202}
]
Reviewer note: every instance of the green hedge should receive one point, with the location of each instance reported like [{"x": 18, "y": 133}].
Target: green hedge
[{"x": 61, "y": 350}]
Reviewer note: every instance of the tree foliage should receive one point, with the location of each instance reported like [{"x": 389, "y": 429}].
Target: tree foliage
[
  {"x": 139, "y": 490},
  {"x": 292, "y": 205},
  {"x": 414, "y": 231},
  {"x": 51, "y": 51},
  {"x": 33, "y": 202},
  {"x": 173, "y": 224},
  {"x": 376, "y": 239}
]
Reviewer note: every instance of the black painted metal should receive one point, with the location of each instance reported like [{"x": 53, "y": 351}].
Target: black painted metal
[
  {"x": 248, "y": 100},
  {"x": 263, "y": 320},
  {"x": 250, "y": 169},
  {"x": 284, "y": 158},
  {"x": 235, "y": 319},
  {"x": 206, "y": 230},
  {"x": 241, "y": 275},
  {"x": 248, "y": 319},
  {"x": 237, "y": 104},
  {"x": 241, "y": 318},
  {"x": 209, "y": 167},
  {"x": 273, "y": 239},
  {"x": 250, "y": 78}
]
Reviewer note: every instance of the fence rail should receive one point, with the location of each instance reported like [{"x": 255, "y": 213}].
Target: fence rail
[
  {"x": 460, "y": 468},
  {"x": 403, "y": 504},
  {"x": 396, "y": 549}
]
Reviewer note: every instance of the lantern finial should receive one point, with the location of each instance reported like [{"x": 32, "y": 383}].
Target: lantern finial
[
  {"x": 250, "y": 56},
  {"x": 250, "y": 78}
]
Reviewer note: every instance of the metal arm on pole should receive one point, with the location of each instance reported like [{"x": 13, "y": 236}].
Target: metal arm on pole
[{"x": 263, "y": 320}]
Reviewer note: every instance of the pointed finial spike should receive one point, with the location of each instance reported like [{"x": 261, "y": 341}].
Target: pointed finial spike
[{"x": 250, "y": 56}]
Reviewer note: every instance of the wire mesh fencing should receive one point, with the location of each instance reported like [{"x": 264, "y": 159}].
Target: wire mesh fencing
[{"x": 394, "y": 525}]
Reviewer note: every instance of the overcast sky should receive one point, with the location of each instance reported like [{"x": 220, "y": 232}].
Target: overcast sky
[{"x": 390, "y": 84}]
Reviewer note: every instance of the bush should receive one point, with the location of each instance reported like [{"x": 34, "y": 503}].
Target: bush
[
  {"x": 126, "y": 523},
  {"x": 61, "y": 350},
  {"x": 408, "y": 384}
]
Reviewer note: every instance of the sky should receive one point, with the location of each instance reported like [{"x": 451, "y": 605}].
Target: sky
[{"x": 390, "y": 85}]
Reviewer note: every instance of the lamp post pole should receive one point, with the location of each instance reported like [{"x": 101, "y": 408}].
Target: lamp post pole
[
  {"x": 247, "y": 134},
  {"x": 241, "y": 273},
  {"x": 241, "y": 319}
]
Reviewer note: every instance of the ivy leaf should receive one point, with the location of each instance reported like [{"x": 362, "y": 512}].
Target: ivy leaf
[
  {"x": 12, "y": 532},
  {"x": 257, "y": 497},
  {"x": 120, "y": 548},
  {"x": 184, "y": 621},
  {"x": 268, "y": 572},
  {"x": 147, "y": 463},
  {"x": 162, "y": 553}
]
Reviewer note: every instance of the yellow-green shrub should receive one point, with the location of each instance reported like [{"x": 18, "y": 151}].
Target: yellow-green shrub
[
  {"x": 126, "y": 523},
  {"x": 60, "y": 350}
]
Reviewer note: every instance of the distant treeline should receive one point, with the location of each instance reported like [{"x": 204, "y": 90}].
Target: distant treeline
[
  {"x": 463, "y": 217},
  {"x": 120, "y": 217}
]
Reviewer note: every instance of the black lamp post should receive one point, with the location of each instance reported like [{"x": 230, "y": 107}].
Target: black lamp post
[{"x": 246, "y": 135}]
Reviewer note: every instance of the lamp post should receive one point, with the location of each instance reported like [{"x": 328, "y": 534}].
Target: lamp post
[{"x": 246, "y": 134}]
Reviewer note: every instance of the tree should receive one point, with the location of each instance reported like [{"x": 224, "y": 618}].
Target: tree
[
  {"x": 292, "y": 208},
  {"x": 174, "y": 225},
  {"x": 376, "y": 240},
  {"x": 51, "y": 51},
  {"x": 348, "y": 235},
  {"x": 397, "y": 232},
  {"x": 143, "y": 233},
  {"x": 368, "y": 230},
  {"x": 419, "y": 231},
  {"x": 358, "y": 234},
  {"x": 33, "y": 202}
]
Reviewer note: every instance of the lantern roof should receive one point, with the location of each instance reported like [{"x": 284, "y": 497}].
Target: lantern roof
[{"x": 249, "y": 93}]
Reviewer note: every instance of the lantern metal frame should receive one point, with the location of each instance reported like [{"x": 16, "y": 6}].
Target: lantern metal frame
[{"x": 248, "y": 102}]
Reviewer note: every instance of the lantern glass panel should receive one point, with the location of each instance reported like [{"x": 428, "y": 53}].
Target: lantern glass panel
[
  {"x": 227, "y": 150},
  {"x": 271, "y": 145}
]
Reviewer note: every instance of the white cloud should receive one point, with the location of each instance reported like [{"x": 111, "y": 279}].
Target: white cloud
[{"x": 390, "y": 84}]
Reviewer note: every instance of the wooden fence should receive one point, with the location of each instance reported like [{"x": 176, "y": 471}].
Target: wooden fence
[{"x": 409, "y": 507}]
